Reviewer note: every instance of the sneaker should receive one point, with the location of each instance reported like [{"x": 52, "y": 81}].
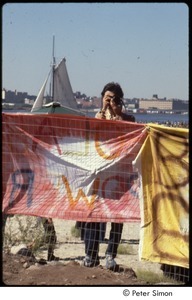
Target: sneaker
[
  {"x": 88, "y": 262},
  {"x": 110, "y": 262}
]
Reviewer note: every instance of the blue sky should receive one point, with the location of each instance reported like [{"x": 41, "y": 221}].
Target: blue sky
[{"x": 143, "y": 46}]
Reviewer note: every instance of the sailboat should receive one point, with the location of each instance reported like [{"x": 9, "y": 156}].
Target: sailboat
[{"x": 62, "y": 98}]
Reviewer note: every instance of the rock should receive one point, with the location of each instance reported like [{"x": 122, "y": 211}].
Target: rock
[
  {"x": 27, "y": 253},
  {"x": 15, "y": 249},
  {"x": 26, "y": 265}
]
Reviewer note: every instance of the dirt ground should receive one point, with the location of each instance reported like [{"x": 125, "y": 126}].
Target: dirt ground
[
  {"x": 15, "y": 273},
  {"x": 19, "y": 270}
]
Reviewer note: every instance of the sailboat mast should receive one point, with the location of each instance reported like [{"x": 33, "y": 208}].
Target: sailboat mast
[{"x": 53, "y": 67}]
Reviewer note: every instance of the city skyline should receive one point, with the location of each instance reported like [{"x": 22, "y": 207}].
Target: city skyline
[
  {"x": 143, "y": 46},
  {"x": 81, "y": 95}
]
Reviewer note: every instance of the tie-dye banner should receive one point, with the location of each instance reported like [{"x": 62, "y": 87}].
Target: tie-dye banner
[
  {"x": 82, "y": 169},
  {"x": 164, "y": 168},
  {"x": 71, "y": 167}
]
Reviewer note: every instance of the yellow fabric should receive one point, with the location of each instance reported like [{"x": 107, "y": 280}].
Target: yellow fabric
[{"x": 165, "y": 208}]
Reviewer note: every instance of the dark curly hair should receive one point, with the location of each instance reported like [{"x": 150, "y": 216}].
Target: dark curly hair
[{"x": 113, "y": 87}]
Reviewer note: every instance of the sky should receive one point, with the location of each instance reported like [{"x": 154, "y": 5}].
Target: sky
[{"x": 142, "y": 46}]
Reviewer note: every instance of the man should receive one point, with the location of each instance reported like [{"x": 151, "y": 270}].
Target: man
[{"x": 112, "y": 105}]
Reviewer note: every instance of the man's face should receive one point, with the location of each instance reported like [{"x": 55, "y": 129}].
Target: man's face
[
  {"x": 113, "y": 102},
  {"x": 108, "y": 96}
]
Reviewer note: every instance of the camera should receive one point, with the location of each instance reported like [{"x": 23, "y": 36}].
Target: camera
[{"x": 116, "y": 100}]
